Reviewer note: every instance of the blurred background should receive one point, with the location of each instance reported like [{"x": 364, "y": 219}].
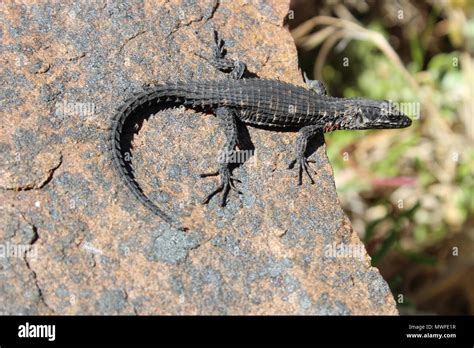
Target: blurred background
[{"x": 409, "y": 193}]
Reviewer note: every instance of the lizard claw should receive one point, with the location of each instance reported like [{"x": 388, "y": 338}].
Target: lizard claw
[
  {"x": 303, "y": 163},
  {"x": 219, "y": 50},
  {"x": 227, "y": 184},
  {"x": 218, "y": 60},
  {"x": 205, "y": 175}
]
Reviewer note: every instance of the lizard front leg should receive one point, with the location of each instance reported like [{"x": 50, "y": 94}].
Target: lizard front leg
[
  {"x": 304, "y": 136},
  {"x": 229, "y": 123},
  {"x": 236, "y": 68}
]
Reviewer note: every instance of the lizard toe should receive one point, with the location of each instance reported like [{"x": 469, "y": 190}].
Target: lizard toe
[{"x": 303, "y": 165}]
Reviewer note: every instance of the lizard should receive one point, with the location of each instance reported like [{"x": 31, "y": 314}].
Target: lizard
[{"x": 255, "y": 102}]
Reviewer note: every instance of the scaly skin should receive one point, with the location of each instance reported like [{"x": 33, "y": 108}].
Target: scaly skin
[{"x": 255, "y": 102}]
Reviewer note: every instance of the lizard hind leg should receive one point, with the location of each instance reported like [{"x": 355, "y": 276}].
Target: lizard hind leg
[
  {"x": 228, "y": 121},
  {"x": 315, "y": 85},
  {"x": 304, "y": 135},
  {"x": 227, "y": 183}
]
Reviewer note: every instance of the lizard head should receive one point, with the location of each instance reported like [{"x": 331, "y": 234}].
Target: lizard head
[{"x": 376, "y": 114}]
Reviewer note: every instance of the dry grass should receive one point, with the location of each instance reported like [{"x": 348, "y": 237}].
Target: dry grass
[{"x": 428, "y": 202}]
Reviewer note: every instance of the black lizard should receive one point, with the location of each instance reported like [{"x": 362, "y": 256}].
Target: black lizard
[{"x": 256, "y": 102}]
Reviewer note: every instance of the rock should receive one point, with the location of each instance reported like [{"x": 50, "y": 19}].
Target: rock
[{"x": 88, "y": 246}]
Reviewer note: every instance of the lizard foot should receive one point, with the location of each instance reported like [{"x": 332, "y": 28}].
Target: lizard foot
[
  {"x": 303, "y": 163},
  {"x": 236, "y": 68},
  {"x": 227, "y": 183}
]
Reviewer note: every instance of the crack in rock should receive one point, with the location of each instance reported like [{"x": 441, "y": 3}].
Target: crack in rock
[
  {"x": 33, "y": 240},
  {"x": 128, "y": 40},
  {"x": 39, "y": 173},
  {"x": 206, "y": 18}
]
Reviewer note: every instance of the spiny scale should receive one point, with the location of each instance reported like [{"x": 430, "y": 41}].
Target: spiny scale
[{"x": 253, "y": 101}]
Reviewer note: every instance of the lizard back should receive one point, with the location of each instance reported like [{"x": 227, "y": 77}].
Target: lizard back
[{"x": 260, "y": 101}]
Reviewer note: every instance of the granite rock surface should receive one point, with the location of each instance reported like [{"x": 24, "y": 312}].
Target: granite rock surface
[{"x": 75, "y": 241}]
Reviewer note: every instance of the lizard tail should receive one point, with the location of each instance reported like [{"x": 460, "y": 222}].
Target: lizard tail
[{"x": 157, "y": 94}]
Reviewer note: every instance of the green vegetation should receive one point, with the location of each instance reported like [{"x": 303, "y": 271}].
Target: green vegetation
[{"x": 406, "y": 191}]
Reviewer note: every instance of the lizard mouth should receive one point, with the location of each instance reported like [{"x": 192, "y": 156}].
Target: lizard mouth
[
  {"x": 406, "y": 122},
  {"x": 400, "y": 121},
  {"x": 392, "y": 121}
]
